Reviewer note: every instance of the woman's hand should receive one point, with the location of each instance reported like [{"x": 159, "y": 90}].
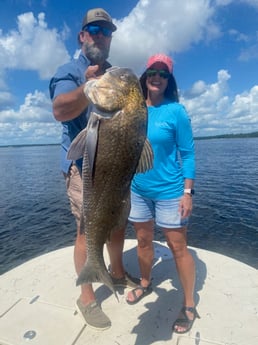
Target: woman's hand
[{"x": 186, "y": 205}]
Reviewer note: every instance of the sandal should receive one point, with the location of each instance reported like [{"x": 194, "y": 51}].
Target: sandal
[
  {"x": 145, "y": 292},
  {"x": 185, "y": 322}
]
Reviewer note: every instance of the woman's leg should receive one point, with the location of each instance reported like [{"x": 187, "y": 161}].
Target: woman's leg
[{"x": 177, "y": 242}]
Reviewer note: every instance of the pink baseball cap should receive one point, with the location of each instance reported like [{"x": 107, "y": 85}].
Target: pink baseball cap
[{"x": 161, "y": 58}]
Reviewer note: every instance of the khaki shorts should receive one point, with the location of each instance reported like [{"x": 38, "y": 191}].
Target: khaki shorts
[{"x": 74, "y": 191}]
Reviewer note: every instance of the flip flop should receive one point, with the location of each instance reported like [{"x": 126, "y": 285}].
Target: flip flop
[
  {"x": 185, "y": 322},
  {"x": 145, "y": 292}
]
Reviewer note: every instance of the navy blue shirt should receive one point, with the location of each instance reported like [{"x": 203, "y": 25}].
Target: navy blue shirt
[{"x": 68, "y": 78}]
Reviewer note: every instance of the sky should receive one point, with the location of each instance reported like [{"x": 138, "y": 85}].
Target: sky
[{"x": 213, "y": 44}]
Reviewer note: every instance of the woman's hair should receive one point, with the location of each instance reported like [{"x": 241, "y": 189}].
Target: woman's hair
[{"x": 171, "y": 91}]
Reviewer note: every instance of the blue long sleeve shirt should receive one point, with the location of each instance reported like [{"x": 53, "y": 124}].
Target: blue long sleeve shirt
[
  {"x": 68, "y": 78},
  {"x": 170, "y": 134}
]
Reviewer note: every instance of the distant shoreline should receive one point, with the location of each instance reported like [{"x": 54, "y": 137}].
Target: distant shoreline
[
  {"x": 220, "y": 136},
  {"x": 229, "y": 136},
  {"x": 26, "y": 145}
]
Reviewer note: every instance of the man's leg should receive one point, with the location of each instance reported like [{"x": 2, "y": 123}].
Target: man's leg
[
  {"x": 145, "y": 252},
  {"x": 115, "y": 247},
  {"x": 87, "y": 293},
  {"x": 86, "y": 303},
  {"x": 115, "y": 250}
]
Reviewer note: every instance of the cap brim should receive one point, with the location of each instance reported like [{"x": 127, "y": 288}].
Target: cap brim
[
  {"x": 158, "y": 61},
  {"x": 105, "y": 24}
]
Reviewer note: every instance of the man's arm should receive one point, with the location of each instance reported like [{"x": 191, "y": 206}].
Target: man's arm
[{"x": 68, "y": 106}]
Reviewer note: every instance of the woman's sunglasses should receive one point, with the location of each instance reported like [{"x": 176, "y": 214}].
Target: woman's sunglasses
[
  {"x": 162, "y": 73},
  {"x": 96, "y": 29}
]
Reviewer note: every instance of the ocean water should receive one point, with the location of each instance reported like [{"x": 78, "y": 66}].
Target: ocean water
[{"x": 35, "y": 215}]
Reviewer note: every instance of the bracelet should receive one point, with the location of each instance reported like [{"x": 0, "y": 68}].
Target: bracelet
[{"x": 189, "y": 191}]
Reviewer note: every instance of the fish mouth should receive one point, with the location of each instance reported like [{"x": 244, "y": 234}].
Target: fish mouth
[
  {"x": 102, "y": 112},
  {"x": 102, "y": 97}
]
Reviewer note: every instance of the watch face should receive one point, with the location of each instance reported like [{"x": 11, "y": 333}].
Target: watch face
[{"x": 189, "y": 191}]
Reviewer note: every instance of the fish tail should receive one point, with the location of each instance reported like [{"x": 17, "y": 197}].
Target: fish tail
[{"x": 100, "y": 275}]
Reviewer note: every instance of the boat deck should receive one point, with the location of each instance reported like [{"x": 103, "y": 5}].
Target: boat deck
[{"x": 37, "y": 303}]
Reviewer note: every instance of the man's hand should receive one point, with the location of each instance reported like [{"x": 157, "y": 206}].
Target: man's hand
[{"x": 92, "y": 72}]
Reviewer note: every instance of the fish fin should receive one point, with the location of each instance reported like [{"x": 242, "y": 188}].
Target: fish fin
[
  {"x": 92, "y": 139},
  {"x": 77, "y": 147},
  {"x": 89, "y": 275},
  {"x": 146, "y": 160}
]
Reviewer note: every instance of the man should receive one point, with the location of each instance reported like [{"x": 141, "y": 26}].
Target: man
[{"x": 71, "y": 107}]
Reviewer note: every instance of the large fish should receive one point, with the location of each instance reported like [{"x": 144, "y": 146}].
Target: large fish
[{"x": 114, "y": 147}]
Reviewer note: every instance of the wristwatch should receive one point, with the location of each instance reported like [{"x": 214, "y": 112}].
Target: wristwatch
[{"x": 189, "y": 191}]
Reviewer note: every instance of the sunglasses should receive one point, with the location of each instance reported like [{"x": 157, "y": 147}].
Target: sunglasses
[
  {"x": 96, "y": 29},
  {"x": 162, "y": 73}
]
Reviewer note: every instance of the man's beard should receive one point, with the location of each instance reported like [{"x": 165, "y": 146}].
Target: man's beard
[{"x": 95, "y": 54}]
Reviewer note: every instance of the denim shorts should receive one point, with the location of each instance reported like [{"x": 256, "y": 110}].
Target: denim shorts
[{"x": 165, "y": 212}]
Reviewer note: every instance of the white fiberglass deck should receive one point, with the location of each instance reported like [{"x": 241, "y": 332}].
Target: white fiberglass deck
[{"x": 37, "y": 303}]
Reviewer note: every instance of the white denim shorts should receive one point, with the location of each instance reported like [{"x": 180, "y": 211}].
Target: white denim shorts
[{"x": 165, "y": 212}]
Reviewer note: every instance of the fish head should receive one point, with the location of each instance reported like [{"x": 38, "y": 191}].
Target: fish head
[{"x": 110, "y": 92}]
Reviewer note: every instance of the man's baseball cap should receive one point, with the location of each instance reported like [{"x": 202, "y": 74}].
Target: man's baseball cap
[{"x": 98, "y": 16}]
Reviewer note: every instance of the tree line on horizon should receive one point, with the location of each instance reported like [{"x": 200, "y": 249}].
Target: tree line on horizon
[
  {"x": 220, "y": 136},
  {"x": 227, "y": 136}
]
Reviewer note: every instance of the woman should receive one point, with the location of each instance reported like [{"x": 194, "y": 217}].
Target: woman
[{"x": 165, "y": 192}]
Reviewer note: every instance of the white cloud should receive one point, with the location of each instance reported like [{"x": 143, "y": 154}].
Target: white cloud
[
  {"x": 33, "y": 46},
  {"x": 6, "y": 99},
  {"x": 155, "y": 26},
  {"x": 152, "y": 26},
  {"x": 252, "y": 3},
  {"x": 238, "y": 36},
  {"x": 249, "y": 53},
  {"x": 213, "y": 112},
  {"x": 249, "y": 50},
  {"x": 32, "y": 123}
]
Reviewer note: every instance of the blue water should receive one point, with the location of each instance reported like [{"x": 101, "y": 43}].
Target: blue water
[{"x": 35, "y": 215}]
